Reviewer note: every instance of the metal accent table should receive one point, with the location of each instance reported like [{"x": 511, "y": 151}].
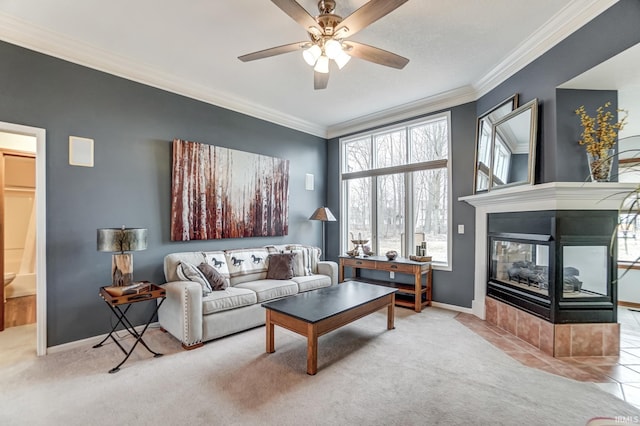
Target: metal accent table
[{"x": 115, "y": 303}]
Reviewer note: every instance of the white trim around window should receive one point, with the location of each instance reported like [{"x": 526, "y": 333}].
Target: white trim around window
[{"x": 395, "y": 161}]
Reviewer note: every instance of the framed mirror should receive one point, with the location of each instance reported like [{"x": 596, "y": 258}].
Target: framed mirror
[
  {"x": 513, "y": 147},
  {"x": 483, "y": 141}
]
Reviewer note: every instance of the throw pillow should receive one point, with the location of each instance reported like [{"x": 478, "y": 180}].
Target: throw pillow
[
  {"x": 280, "y": 266},
  {"x": 188, "y": 272},
  {"x": 309, "y": 257},
  {"x": 215, "y": 278},
  {"x": 298, "y": 264}
]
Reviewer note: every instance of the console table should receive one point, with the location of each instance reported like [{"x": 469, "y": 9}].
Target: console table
[{"x": 416, "y": 295}]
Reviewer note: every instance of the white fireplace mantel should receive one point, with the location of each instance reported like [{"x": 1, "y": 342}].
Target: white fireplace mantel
[{"x": 546, "y": 196}]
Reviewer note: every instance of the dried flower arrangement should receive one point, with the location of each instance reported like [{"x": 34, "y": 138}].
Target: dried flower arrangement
[{"x": 599, "y": 135}]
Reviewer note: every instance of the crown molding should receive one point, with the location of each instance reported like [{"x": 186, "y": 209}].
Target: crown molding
[
  {"x": 24, "y": 34},
  {"x": 572, "y": 17},
  {"x": 413, "y": 109},
  {"x": 568, "y": 20}
]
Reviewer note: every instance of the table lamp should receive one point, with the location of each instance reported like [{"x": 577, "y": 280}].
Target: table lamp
[
  {"x": 323, "y": 214},
  {"x": 118, "y": 241}
]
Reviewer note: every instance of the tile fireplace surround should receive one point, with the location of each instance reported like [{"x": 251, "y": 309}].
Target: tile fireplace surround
[{"x": 558, "y": 340}]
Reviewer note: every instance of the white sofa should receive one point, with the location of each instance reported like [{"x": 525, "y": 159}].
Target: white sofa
[{"x": 194, "y": 317}]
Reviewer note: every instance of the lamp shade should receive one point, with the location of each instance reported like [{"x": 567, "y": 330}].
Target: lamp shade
[
  {"x": 122, "y": 239},
  {"x": 323, "y": 214},
  {"x": 312, "y": 54}
]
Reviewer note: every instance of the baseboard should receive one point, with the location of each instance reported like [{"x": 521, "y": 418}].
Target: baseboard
[
  {"x": 452, "y": 307},
  {"x": 90, "y": 341}
]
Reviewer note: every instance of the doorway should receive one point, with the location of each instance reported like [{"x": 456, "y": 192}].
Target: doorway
[{"x": 14, "y": 141}]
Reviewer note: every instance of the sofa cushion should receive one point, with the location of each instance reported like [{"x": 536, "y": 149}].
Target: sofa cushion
[
  {"x": 309, "y": 256},
  {"x": 312, "y": 282},
  {"x": 299, "y": 269},
  {"x": 247, "y": 264},
  {"x": 172, "y": 260},
  {"x": 229, "y": 298},
  {"x": 280, "y": 266},
  {"x": 217, "y": 260},
  {"x": 215, "y": 279},
  {"x": 189, "y": 272},
  {"x": 270, "y": 289}
]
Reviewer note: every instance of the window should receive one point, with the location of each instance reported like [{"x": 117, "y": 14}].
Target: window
[
  {"x": 629, "y": 218},
  {"x": 395, "y": 188},
  {"x": 502, "y": 162}
]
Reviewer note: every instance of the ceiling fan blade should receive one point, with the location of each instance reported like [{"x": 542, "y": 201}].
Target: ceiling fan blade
[
  {"x": 298, "y": 13},
  {"x": 279, "y": 50},
  {"x": 368, "y": 14},
  {"x": 320, "y": 80},
  {"x": 378, "y": 56}
]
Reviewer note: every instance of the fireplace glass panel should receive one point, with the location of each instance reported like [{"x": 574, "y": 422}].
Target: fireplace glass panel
[
  {"x": 585, "y": 271},
  {"x": 523, "y": 265}
]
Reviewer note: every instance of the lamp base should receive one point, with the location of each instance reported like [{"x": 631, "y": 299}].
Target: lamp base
[{"x": 121, "y": 269}]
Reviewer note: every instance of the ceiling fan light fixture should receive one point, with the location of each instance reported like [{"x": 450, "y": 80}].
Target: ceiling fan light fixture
[
  {"x": 342, "y": 59},
  {"x": 332, "y": 48},
  {"x": 312, "y": 54},
  {"x": 322, "y": 65}
]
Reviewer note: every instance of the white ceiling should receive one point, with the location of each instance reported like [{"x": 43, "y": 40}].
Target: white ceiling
[{"x": 458, "y": 50}]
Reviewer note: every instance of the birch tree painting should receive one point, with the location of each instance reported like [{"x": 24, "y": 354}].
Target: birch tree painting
[{"x": 224, "y": 193}]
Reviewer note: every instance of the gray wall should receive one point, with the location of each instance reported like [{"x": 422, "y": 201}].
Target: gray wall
[
  {"x": 607, "y": 35},
  {"x": 453, "y": 287},
  {"x": 569, "y": 128},
  {"x": 133, "y": 126}
]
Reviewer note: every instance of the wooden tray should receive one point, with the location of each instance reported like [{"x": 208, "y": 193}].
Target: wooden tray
[
  {"x": 420, "y": 258},
  {"x": 154, "y": 293}
]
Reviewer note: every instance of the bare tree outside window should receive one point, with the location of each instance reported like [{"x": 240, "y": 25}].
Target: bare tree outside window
[{"x": 395, "y": 174}]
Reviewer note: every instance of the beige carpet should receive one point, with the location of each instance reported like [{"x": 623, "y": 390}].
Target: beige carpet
[{"x": 430, "y": 370}]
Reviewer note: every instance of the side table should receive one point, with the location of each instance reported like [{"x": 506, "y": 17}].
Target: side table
[{"x": 116, "y": 303}]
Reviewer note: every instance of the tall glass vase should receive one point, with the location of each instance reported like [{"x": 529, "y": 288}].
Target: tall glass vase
[{"x": 600, "y": 166}]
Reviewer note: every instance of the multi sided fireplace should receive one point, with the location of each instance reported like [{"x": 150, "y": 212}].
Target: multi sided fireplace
[{"x": 555, "y": 264}]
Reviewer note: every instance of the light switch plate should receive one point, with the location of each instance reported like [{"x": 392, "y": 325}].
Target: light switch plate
[
  {"x": 460, "y": 229},
  {"x": 392, "y": 275}
]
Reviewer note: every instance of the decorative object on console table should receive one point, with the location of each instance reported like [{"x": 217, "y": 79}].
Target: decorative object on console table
[
  {"x": 420, "y": 258},
  {"x": 323, "y": 214},
  {"x": 359, "y": 247},
  {"x": 119, "y": 240},
  {"x": 599, "y": 137}
]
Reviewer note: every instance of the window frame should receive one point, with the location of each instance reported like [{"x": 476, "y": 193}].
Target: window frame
[
  {"x": 632, "y": 163},
  {"x": 407, "y": 169}
]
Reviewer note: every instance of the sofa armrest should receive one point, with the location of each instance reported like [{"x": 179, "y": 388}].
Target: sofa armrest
[
  {"x": 327, "y": 267},
  {"x": 181, "y": 312}
]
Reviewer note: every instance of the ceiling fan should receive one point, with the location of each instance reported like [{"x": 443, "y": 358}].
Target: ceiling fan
[{"x": 327, "y": 33}]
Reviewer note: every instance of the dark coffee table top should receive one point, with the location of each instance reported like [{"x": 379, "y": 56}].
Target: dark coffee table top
[{"x": 317, "y": 305}]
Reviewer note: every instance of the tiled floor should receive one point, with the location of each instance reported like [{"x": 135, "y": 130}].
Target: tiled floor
[{"x": 618, "y": 375}]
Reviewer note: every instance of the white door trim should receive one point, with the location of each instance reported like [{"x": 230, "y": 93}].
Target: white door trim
[{"x": 41, "y": 231}]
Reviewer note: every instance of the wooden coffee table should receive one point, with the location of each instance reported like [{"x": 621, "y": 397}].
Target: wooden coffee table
[{"x": 318, "y": 312}]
